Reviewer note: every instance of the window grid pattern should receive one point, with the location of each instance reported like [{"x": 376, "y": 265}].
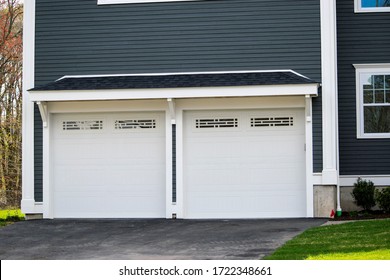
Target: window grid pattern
[
  {"x": 378, "y": 91},
  {"x": 376, "y": 104}
]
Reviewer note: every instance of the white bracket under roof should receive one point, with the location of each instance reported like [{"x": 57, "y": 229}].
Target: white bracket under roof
[
  {"x": 172, "y": 110},
  {"x": 43, "y": 110}
]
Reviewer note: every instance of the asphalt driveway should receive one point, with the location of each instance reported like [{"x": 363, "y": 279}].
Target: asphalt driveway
[{"x": 148, "y": 239}]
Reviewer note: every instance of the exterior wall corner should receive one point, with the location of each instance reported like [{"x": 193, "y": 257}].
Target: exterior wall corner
[{"x": 28, "y": 200}]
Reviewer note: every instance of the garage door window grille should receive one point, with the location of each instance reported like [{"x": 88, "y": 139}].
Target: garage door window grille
[
  {"x": 272, "y": 121},
  {"x": 82, "y": 125},
  {"x": 216, "y": 123},
  {"x": 135, "y": 124}
]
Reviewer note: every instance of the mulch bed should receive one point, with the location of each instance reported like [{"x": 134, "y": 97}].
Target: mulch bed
[{"x": 362, "y": 215}]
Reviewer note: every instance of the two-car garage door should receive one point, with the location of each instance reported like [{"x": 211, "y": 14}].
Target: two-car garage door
[{"x": 236, "y": 164}]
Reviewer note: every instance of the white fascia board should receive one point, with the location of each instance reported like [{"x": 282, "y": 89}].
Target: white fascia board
[
  {"x": 112, "y": 2},
  {"x": 204, "y": 92}
]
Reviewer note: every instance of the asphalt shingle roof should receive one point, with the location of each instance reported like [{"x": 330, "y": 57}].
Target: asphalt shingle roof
[{"x": 175, "y": 81}]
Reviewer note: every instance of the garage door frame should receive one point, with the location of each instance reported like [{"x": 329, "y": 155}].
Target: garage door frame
[
  {"x": 182, "y": 105},
  {"x": 174, "y": 110},
  {"x": 98, "y": 107}
]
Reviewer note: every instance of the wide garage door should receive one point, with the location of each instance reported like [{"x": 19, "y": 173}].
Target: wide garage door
[
  {"x": 109, "y": 165},
  {"x": 244, "y": 164}
]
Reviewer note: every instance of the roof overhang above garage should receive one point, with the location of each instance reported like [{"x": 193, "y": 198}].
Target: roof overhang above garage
[{"x": 176, "y": 85}]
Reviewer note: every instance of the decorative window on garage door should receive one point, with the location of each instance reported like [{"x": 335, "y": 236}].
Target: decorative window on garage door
[
  {"x": 135, "y": 124},
  {"x": 82, "y": 125},
  {"x": 272, "y": 121},
  {"x": 216, "y": 123}
]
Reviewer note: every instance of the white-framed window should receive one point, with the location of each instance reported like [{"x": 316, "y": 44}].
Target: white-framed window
[
  {"x": 110, "y": 2},
  {"x": 373, "y": 6},
  {"x": 373, "y": 100}
]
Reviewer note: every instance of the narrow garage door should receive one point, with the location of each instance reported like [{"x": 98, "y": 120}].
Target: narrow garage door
[
  {"x": 108, "y": 165},
  {"x": 244, "y": 164}
]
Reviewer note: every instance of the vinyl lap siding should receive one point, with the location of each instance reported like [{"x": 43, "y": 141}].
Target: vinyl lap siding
[
  {"x": 38, "y": 153},
  {"x": 78, "y": 37},
  {"x": 362, "y": 38}
]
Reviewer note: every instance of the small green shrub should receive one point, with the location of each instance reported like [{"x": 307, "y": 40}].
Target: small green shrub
[
  {"x": 383, "y": 199},
  {"x": 363, "y": 194},
  {"x": 353, "y": 214},
  {"x": 11, "y": 215}
]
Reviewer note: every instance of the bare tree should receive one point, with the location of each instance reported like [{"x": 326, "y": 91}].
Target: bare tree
[{"x": 11, "y": 24}]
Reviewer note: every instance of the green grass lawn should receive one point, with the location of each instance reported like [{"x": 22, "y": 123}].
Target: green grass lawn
[{"x": 363, "y": 240}]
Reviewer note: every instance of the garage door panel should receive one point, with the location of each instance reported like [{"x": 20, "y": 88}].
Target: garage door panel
[
  {"x": 247, "y": 172},
  {"x": 85, "y": 207},
  {"x": 141, "y": 179},
  {"x": 254, "y": 205},
  {"x": 110, "y": 173}
]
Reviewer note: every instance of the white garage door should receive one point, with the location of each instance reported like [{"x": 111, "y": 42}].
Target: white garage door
[
  {"x": 108, "y": 165},
  {"x": 244, "y": 164}
]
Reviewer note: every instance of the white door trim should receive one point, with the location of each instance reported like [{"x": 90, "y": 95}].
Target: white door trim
[
  {"x": 243, "y": 103},
  {"x": 100, "y": 107},
  {"x": 181, "y": 105},
  {"x": 309, "y": 157}
]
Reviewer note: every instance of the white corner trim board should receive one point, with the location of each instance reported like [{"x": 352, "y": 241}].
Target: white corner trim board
[
  {"x": 111, "y": 2},
  {"x": 28, "y": 203},
  {"x": 329, "y": 91}
]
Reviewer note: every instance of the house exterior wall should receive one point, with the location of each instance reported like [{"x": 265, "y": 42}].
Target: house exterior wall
[
  {"x": 362, "y": 39},
  {"x": 81, "y": 38}
]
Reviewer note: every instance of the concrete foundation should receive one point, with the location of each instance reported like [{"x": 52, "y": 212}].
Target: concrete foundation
[
  {"x": 325, "y": 198},
  {"x": 30, "y": 217}
]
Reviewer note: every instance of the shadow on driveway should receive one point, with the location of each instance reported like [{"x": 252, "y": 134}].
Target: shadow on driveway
[{"x": 148, "y": 239}]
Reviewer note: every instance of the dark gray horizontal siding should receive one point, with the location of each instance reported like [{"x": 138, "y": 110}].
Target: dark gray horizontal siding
[
  {"x": 38, "y": 174},
  {"x": 78, "y": 37},
  {"x": 317, "y": 133},
  {"x": 362, "y": 38}
]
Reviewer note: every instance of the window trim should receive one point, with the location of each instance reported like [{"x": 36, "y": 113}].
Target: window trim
[
  {"x": 114, "y": 2},
  {"x": 373, "y": 69},
  {"x": 360, "y": 9}
]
